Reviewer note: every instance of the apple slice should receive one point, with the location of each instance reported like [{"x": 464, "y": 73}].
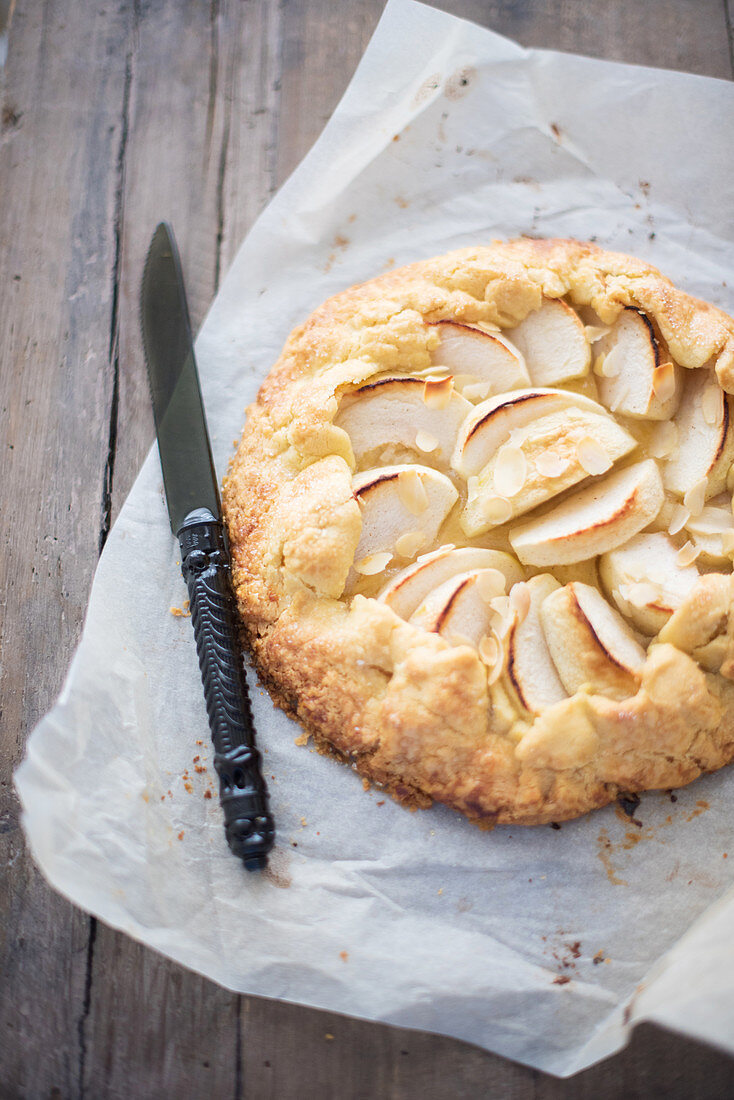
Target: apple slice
[
  {"x": 530, "y": 668},
  {"x": 590, "y": 643},
  {"x": 492, "y": 423},
  {"x": 594, "y": 520},
  {"x": 705, "y": 449},
  {"x": 646, "y": 580},
  {"x": 553, "y": 341},
  {"x": 486, "y": 357},
  {"x": 410, "y": 587},
  {"x": 398, "y": 501},
  {"x": 394, "y": 411},
  {"x": 712, "y": 533},
  {"x": 459, "y": 609},
  {"x": 633, "y": 380},
  {"x": 540, "y": 461}
]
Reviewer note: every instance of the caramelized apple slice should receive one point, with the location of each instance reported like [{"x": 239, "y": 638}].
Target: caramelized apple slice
[
  {"x": 397, "y": 501},
  {"x": 633, "y": 379},
  {"x": 590, "y": 643},
  {"x": 705, "y": 445},
  {"x": 459, "y": 609},
  {"x": 553, "y": 341},
  {"x": 530, "y": 668},
  {"x": 646, "y": 580},
  {"x": 410, "y": 587},
  {"x": 598, "y": 518},
  {"x": 400, "y": 411},
  {"x": 483, "y": 356}
]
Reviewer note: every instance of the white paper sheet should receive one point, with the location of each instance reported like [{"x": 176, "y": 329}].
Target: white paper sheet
[{"x": 448, "y": 135}]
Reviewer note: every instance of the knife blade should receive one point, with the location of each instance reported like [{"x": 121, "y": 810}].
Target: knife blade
[{"x": 195, "y": 513}]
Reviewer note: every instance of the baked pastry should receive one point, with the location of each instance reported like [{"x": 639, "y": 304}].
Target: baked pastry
[{"x": 482, "y": 532}]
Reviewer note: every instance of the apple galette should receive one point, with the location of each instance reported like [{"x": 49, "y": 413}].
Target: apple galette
[{"x": 482, "y": 532}]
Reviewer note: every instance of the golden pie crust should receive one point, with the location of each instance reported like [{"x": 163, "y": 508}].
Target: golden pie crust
[{"x": 408, "y": 710}]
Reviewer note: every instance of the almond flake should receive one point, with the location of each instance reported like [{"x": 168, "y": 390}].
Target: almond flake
[
  {"x": 410, "y": 543},
  {"x": 687, "y": 554},
  {"x": 663, "y": 439},
  {"x": 712, "y": 521},
  {"x": 712, "y": 404},
  {"x": 592, "y": 456},
  {"x": 663, "y": 382},
  {"x": 372, "y": 564},
  {"x": 520, "y": 600},
  {"x": 412, "y": 492},
  {"x": 609, "y": 365},
  {"x": 502, "y": 616},
  {"x": 596, "y": 332},
  {"x": 476, "y": 391},
  {"x": 489, "y": 650},
  {"x": 642, "y": 593},
  {"x": 695, "y": 498},
  {"x": 425, "y": 442},
  {"x": 510, "y": 471},
  {"x": 496, "y": 671},
  {"x": 678, "y": 519},
  {"x": 620, "y": 399},
  {"x": 727, "y": 542},
  {"x": 550, "y": 464},
  {"x": 490, "y": 583},
  {"x": 497, "y": 510},
  {"x": 437, "y": 392}
]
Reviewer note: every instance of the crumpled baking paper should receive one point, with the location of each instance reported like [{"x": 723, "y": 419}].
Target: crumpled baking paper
[{"x": 542, "y": 944}]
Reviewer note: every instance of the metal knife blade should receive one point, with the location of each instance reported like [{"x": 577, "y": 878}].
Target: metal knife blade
[
  {"x": 194, "y": 510},
  {"x": 183, "y": 439}
]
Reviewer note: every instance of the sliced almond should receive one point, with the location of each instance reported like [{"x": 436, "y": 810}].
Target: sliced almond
[
  {"x": 550, "y": 464},
  {"x": 437, "y": 392},
  {"x": 678, "y": 519},
  {"x": 711, "y": 405},
  {"x": 664, "y": 382},
  {"x": 510, "y": 471},
  {"x": 695, "y": 498},
  {"x": 496, "y": 510},
  {"x": 520, "y": 600},
  {"x": 372, "y": 564},
  {"x": 490, "y": 584},
  {"x": 408, "y": 545},
  {"x": 687, "y": 554},
  {"x": 592, "y": 456},
  {"x": 425, "y": 442},
  {"x": 594, "y": 333},
  {"x": 412, "y": 491},
  {"x": 490, "y": 650}
]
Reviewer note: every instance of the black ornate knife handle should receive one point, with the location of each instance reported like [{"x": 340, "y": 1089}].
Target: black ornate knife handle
[{"x": 242, "y": 792}]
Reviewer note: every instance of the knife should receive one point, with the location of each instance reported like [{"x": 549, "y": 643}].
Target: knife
[{"x": 195, "y": 512}]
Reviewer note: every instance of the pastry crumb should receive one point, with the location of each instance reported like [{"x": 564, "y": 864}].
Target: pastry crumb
[{"x": 344, "y": 955}]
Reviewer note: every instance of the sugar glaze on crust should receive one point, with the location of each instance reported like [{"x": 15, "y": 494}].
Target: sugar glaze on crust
[{"x": 417, "y": 712}]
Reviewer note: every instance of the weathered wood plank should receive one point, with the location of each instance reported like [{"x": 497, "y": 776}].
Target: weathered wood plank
[{"x": 59, "y": 151}]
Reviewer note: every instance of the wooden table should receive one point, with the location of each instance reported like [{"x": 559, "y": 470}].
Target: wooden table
[{"x": 114, "y": 114}]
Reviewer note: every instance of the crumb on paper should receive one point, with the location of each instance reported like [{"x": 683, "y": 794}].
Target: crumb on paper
[
  {"x": 181, "y": 835},
  {"x": 197, "y": 758},
  {"x": 199, "y": 742},
  {"x": 366, "y": 783},
  {"x": 304, "y": 823},
  {"x": 599, "y": 958},
  {"x": 344, "y": 955},
  {"x": 302, "y": 739},
  {"x": 199, "y": 769},
  {"x": 207, "y": 793},
  {"x": 381, "y": 802},
  {"x": 562, "y": 979}
]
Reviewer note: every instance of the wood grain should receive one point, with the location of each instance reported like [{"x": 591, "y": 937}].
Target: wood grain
[{"x": 113, "y": 117}]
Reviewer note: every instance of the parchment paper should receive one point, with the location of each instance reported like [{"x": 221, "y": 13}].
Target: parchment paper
[{"x": 531, "y": 942}]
